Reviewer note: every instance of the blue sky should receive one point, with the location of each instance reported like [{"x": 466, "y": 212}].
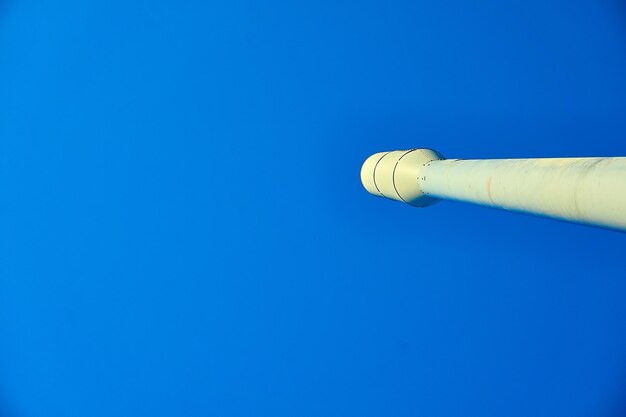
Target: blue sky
[{"x": 184, "y": 232}]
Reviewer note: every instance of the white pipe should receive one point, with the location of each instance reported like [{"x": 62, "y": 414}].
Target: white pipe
[{"x": 583, "y": 190}]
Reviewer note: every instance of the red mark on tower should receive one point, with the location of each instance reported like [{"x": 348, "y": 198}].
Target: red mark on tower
[{"x": 489, "y": 188}]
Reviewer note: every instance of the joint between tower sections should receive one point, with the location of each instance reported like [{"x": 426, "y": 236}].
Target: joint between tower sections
[{"x": 396, "y": 174}]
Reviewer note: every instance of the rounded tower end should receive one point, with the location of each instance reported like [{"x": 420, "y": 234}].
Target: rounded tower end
[{"x": 395, "y": 175}]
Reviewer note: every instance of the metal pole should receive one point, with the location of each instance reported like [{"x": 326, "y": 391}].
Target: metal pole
[{"x": 583, "y": 190}]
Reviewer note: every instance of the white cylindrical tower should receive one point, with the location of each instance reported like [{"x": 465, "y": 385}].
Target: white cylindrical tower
[{"x": 583, "y": 190}]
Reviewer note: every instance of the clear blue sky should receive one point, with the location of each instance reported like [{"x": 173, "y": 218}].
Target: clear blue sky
[{"x": 184, "y": 232}]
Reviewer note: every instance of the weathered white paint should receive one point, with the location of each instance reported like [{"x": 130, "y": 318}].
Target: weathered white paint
[{"x": 583, "y": 190}]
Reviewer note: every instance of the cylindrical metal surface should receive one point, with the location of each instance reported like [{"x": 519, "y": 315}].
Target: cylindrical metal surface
[
  {"x": 583, "y": 190},
  {"x": 393, "y": 175}
]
